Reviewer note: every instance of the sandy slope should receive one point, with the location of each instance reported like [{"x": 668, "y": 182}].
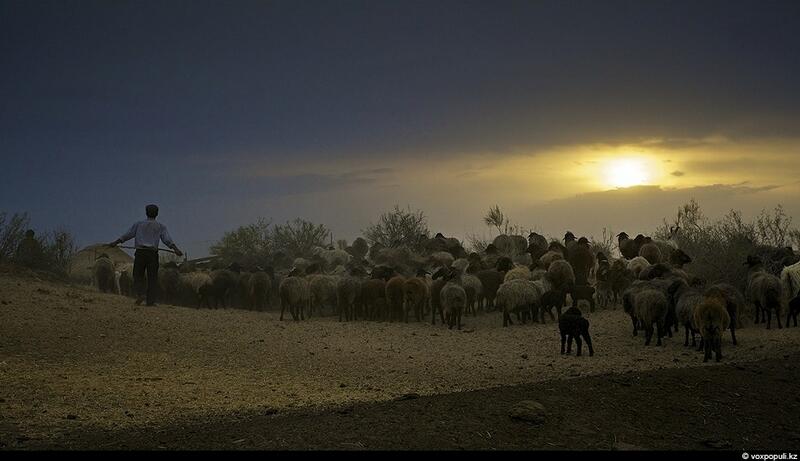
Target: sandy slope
[{"x": 72, "y": 358}]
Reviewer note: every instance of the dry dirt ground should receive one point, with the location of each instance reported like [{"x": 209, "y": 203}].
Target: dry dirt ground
[{"x": 79, "y": 369}]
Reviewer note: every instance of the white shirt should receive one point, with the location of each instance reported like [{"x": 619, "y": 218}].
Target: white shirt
[{"x": 147, "y": 234}]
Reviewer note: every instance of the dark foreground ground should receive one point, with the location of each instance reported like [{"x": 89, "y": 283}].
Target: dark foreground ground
[{"x": 746, "y": 407}]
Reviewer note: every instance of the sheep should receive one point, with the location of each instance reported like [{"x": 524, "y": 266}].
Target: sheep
[
  {"x": 243, "y": 293},
  {"x": 561, "y": 275},
  {"x": 348, "y": 294},
  {"x": 522, "y": 259},
  {"x": 627, "y": 247},
  {"x": 168, "y": 278},
  {"x": 583, "y": 292},
  {"x": 711, "y": 319},
  {"x": 658, "y": 270},
  {"x": 460, "y": 265},
  {"x": 790, "y": 287},
  {"x": 322, "y": 291},
  {"x": 394, "y": 297},
  {"x": 332, "y": 257},
  {"x": 734, "y": 304},
  {"x": 373, "y": 298},
  {"x": 678, "y": 258},
  {"x": 475, "y": 263},
  {"x": 295, "y": 294},
  {"x": 491, "y": 280},
  {"x": 763, "y": 290},
  {"x": 604, "y": 290},
  {"x": 619, "y": 278},
  {"x": 474, "y": 289},
  {"x": 650, "y": 251},
  {"x": 793, "y": 309},
  {"x": 453, "y": 300},
  {"x": 510, "y": 245},
  {"x": 537, "y": 245},
  {"x": 571, "y": 326},
  {"x": 441, "y": 259},
  {"x": 301, "y": 264},
  {"x": 518, "y": 295},
  {"x": 650, "y": 306},
  {"x": 415, "y": 296},
  {"x": 549, "y": 257},
  {"x": 103, "y": 276},
  {"x": 518, "y": 273},
  {"x": 125, "y": 280},
  {"x": 550, "y": 299},
  {"x": 537, "y": 273},
  {"x": 223, "y": 284},
  {"x": 197, "y": 288},
  {"x": 582, "y": 260},
  {"x": 683, "y": 300},
  {"x": 637, "y": 265}
]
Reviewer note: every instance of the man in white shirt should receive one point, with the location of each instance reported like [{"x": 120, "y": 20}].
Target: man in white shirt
[{"x": 147, "y": 233}]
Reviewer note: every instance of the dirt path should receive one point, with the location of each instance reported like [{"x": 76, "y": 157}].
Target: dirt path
[{"x": 742, "y": 407}]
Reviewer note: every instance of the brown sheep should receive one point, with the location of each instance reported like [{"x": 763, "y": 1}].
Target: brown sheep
[
  {"x": 415, "y": 296},
  {"x": 394, "y": 298},
  {"x": 650, "y": 251},
  {"x": 711, "y": 319}
]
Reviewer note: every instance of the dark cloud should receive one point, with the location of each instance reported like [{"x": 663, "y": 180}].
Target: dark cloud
[{"x": 677, "y": 173}]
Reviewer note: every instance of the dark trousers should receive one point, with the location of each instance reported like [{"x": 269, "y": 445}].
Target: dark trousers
[{"x": 145, "y": 260}]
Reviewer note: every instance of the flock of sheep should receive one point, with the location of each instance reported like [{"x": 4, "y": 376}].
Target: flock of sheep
[{"x": 528, "y": 278}]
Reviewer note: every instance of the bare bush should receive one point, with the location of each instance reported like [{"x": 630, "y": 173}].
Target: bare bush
[
  {"x": 399, "y": 228},
  {"x": 12, "y": 231}
]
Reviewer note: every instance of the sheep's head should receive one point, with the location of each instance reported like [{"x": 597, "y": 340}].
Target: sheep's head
[
  {"x": 504, "y": 264},
  {"x": 583, "y": 241},
  {"x": 678, "y": 258},
  {"x": 491, "y": 249},
  {"x": 569, "y": 237},
  {"x": 235, "y": 267},
  {"x": 622, "y": 236}
]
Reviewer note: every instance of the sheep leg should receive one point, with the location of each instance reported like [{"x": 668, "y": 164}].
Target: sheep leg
[
  {"x": 433, "y": 315},
  {"x": 769, "y": 318},
  {"x": 563, "y": 341},
  {"x": 578, "y": 343},
  {"x": 686, "y": 341},
  {"x": 701, "y": 346},
  {"x": 458, "y": 319},
  {"x": 635, "y": 330},
  {"x": 550, "y": 311},
  {"x": 648, "y": 335},
  {"x": 588, "y": 340},
  {"x": 778, "y": 318},
  {"x": 660, "y": 332},
  {"x": 506, "y": 318},
  {"x": 707, "y": 351},
  {"x": 718, "y": 351},
  {"x": 733, "y": 330}
]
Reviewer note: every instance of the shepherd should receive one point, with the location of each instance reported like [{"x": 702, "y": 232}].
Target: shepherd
[{"x": 147, "y": 233}]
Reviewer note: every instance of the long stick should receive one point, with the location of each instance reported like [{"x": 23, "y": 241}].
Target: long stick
[{"x": 134, "y": 248}]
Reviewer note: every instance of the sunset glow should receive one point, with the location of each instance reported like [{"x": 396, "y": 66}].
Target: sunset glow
[{"x": 626, "y": 172}]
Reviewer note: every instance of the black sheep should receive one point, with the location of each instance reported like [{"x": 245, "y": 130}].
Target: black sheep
[
  {"x": 794, "y": 309},
  {"x": 584, "y": 292},
  {"x": 572, "y": 325}
]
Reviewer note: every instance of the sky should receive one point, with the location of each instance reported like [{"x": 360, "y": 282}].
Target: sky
[{"x": 578, "y": 115}]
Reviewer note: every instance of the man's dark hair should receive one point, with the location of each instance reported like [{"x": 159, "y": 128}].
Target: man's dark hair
[{"x": 151, "y": 210}]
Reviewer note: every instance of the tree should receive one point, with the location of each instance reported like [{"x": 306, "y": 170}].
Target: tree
[
  {"x": 250, "y": 244},
  {"x": 59, "y": 248},
  {"x": 397, "y": 228},
  {"x": 298, "y": 237},
  {"x": 12, "y": 231}
]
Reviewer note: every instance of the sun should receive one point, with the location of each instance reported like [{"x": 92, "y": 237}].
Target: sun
[{"x": 626, "y": 172}]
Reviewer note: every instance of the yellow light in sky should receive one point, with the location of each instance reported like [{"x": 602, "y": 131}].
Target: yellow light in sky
[{"x": 626, "y": 172}]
